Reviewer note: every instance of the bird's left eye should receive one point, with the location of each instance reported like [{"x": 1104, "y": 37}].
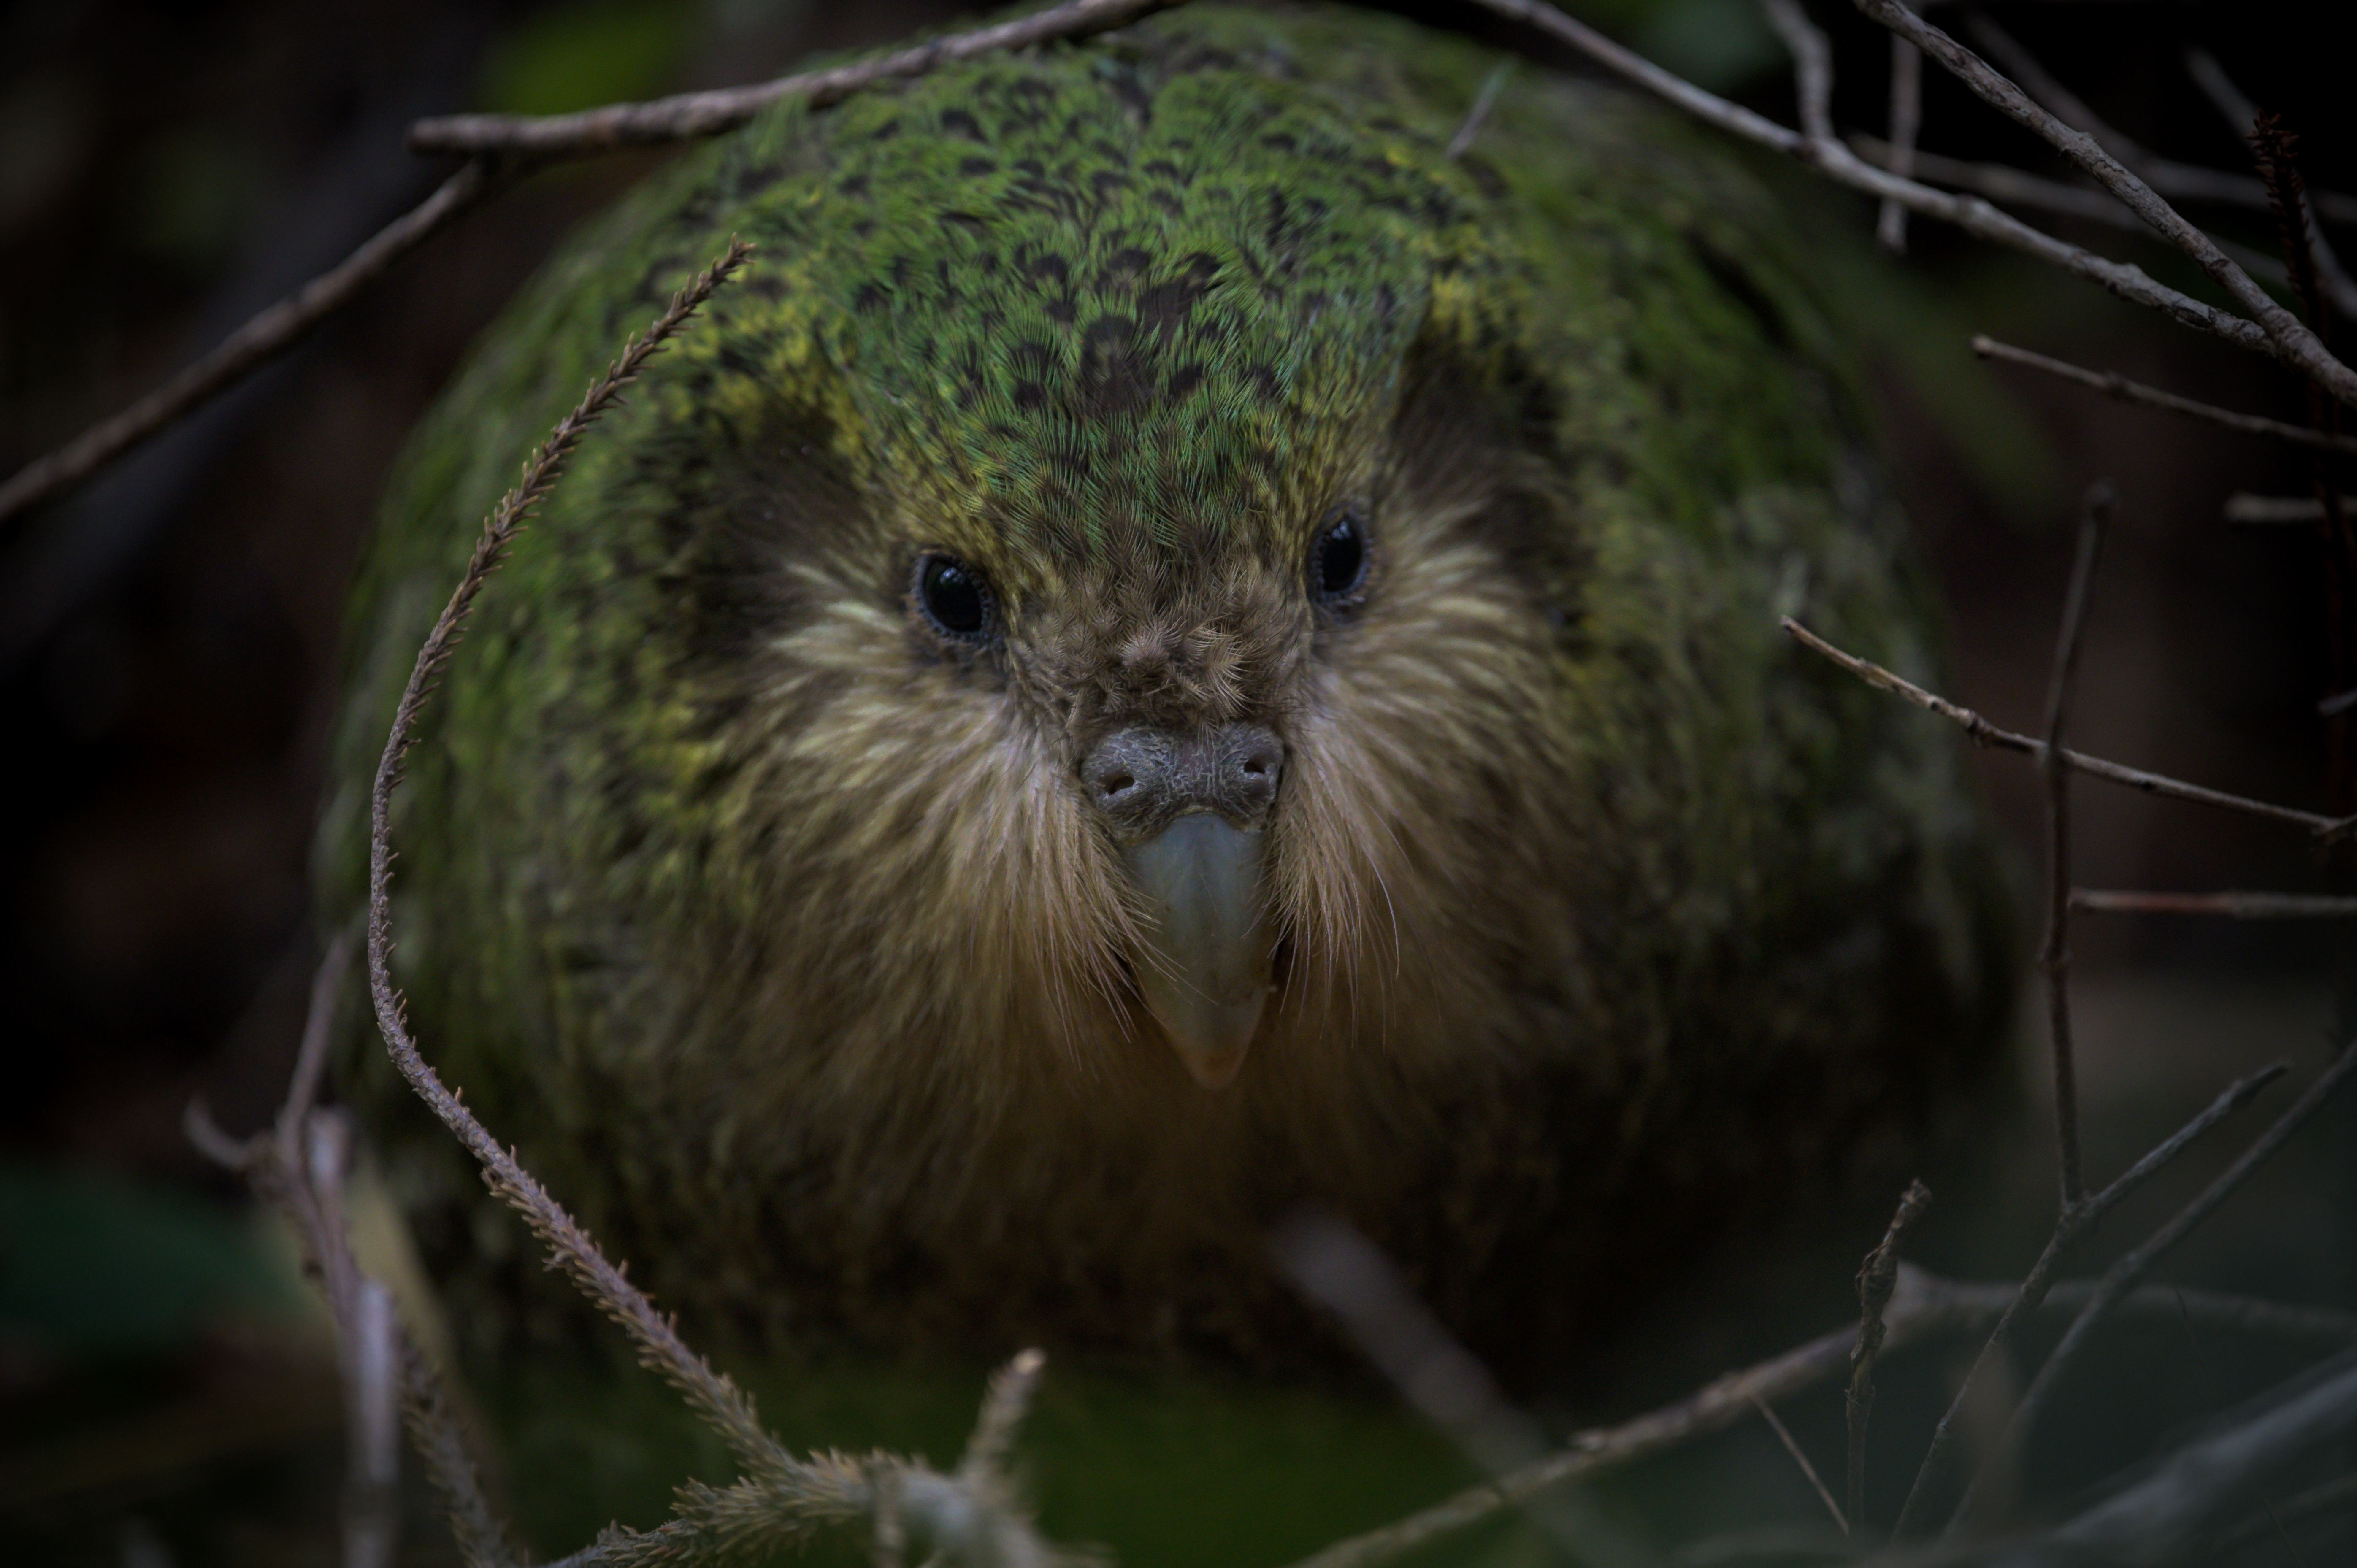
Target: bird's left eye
[
  {"x": 955, "y": 597},
  {"x": 1337, "y": 560}
]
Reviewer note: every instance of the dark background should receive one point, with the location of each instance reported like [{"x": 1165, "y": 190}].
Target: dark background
[{"x": 170, "y": 633}]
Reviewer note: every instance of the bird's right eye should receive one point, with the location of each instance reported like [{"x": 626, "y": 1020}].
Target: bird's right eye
[{"x": 955, "y": 597}]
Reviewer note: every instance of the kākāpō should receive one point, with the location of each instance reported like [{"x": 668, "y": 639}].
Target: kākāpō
[{"x": 1177, "y": 646}]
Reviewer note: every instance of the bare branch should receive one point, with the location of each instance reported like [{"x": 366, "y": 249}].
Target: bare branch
[
  {"x": 2188, "y": 182},
  {"x": 2189, "y": 1491},
  {"x": 2125, "y": 1274},
  {"x": 442, "y": 1440},
  {"x": 1973, "y": 216},
  {"x": 1876, "y": 1280},
  {"x": 1775, "y": 1425},
  {"x": 2291, "y": 341},
  {"x": 371, "y": 1356},
  {"x": 2055, "y": 957},
  {"x": 1906, "y": 125},
  {"x": 1478, "y": 115},
  {"x": 1343, "y": 1272},
  {"x": 297, "y": 1166},
  {"x": 2243, "y": 115},
  {"x": 318, "y": 1025},
  {"x": 689, "y": 115},
  {"x": 1002, "y": 1407},
  {"x": 1988, "y": 734},
  {"x": 1922, "y": 1306},
  {"x": 1813, "y": 68},
  {"x": 2113, "y": 384},
  {"x": 503, "y": 148},
  {"x": 2035, "y": 1290},
  {"x": 2234, "y": 905},
  {"x": 2001, "y": 182},
  {"x": 252, "y": 346},
  {"x": 2245, "y": 510}
]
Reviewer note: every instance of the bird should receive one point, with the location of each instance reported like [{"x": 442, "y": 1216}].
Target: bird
[{"x": 1195, "y": 639}]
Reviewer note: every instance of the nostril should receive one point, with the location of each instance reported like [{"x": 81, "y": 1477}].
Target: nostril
[
  {"x": 1256, "y": 765},
  {"x": 1116, "y": 784}
]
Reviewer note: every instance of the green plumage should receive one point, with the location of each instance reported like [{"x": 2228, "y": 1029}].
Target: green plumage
[{"x": 773, "y": 923}]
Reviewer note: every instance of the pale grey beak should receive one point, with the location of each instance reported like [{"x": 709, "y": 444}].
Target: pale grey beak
[{"x": 1205, "y": 971}]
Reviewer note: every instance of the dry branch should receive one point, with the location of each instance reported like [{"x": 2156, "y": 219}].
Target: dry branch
[
  {"x": 1922, "y": 1306},
  {"x": 713, "y": 1396},
  {"x": 2245, "y": 510},
  {"x": 2054, "y": 955},
  {"x": 1800, "y": 1458},
  {"x": 1338, "y": 1268},
  {"x": 2290, "y": 339},
  {"x": 2038, "y": 1288},
  {"x": 504, "y": 146},
  {"x": 1877, "y": 1278},
  {"x": 2243, "y": 116},
  {"x": 2113, "y": 384},
  {"x": 2124, "y": 1274},
  {"x": 2233, "y": 905},
  {"x": 2155, "y": 1519},
  {"x": 297, "y": 1166},
  {"x": 1973, "y": 216},
  {"x": 1988, "y": 734},
  {"x": 689, "y": 115},
  {"x": 1906, "y": 125},
  {"x": 260, "y": 341}
]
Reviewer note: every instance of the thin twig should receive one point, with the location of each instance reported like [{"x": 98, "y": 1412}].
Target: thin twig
[
  {"x": 1923, "y": 1306},
  {"x": 297, "y": 1166},
  {"x": 1776, "y": 1424},
  {"x": 1004, "y": 1403},
  {"x": 1973, "y": 216},
  {"x": 1478, "y": 115},
  {"x": 2037, "y": 1287},
  {"x": 2299, "y": 1506},
  {"x": 1906, "y": 125},
  {"x": 2113, "y": 384},
  {"x": 2189, "y": 182},
  {"x": 2181, "y": 1496},
  {"x": 689, "y": 115},
  {"x": 318, "y": 1025},
  {"x": 1988, "y": 734},
  {"x": 1335, "y": 1266},
  {"x": 2233, "y": 905},
  {"x": 2245, "y": 510},
  {"x": 503, "y": 148},
  {"x": 1813, "y": 68},
  {"x": 2001, "y": 182},
  {"x": 443, "y": 1442},
  {"x": 261, "y": 339},
  {"x": 1877, "y": 1277},
  {"x": 2242, "y": 115},
  {"x": 713, "y": 1395},
  {"x": 373, "y": 1476},
  {"x": 2124, "y": 1274},
  {"x": 2290, "y": 340},
  {"x": 2054, "y": 956}
]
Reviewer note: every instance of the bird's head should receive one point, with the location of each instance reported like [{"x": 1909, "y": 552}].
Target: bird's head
[{"x": 1119, "y": 587}]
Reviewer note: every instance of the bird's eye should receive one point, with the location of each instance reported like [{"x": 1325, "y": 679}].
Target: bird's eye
[
  {"x": 1338, "y": 561},
  {"x": 955, "y": 597}
]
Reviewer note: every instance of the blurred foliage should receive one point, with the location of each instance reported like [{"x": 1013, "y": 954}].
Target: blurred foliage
[
  {"x": 579, "y": 56},
  {"x": 94, "y": 1264}
]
